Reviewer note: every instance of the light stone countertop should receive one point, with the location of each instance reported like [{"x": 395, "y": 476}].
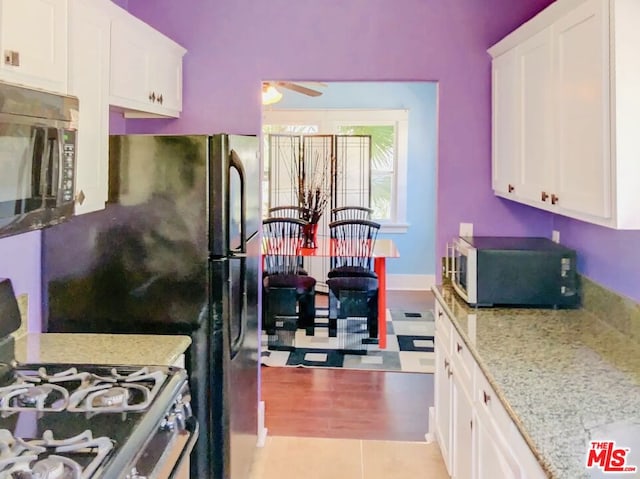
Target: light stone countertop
[
  {"x": 80, "y": 348},
  {"x": 564, "y": 376}
]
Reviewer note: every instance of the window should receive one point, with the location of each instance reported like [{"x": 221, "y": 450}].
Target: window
[{"x": 388, "y": 131}]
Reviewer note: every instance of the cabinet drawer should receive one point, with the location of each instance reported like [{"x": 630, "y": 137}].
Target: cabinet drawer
[
  {"x": 463, "y": 361},
  {"x": 442, "y": 320},
  {"x": 443, "y": 329},
  {"x": 486, "y": 398}
]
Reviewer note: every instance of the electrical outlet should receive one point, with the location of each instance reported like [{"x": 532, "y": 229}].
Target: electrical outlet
[
  {"x": 555, "y": 236},
  {"x": 466, "y": 229}
]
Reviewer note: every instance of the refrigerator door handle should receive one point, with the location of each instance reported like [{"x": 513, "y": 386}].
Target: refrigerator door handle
[
  {"x": 235, "y": 343},
  {"x": 236, "y": 163}
]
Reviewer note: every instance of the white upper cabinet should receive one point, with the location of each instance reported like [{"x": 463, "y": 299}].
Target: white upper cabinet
[
  {"x": 33, "y": 41},
  {"x": 506, "y": 143},
  {"x": 574, "y": 109},
  {"x": 583, "y": 166},
  {"x": 146, "y": 70},
  {"x": 109, "y": 51},
  {"x": 89, "y": 43},
  {"x": 535, "y": 117}
]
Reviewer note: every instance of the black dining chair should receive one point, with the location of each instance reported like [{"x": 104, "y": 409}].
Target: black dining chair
[
  {"x": 353, "y": 286},
  {"x": 287, "y": 294},
  {"x": 351, "y": 213},
  {"x": 352, "y": 258}
]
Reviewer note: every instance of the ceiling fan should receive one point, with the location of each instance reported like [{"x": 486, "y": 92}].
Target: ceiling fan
[{"x": 270, "y": 94}]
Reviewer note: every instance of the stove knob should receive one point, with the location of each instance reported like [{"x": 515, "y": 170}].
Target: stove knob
[
  {"x": 181, "y": 420},
  {"x": 169, "y": 422},
  {"x": 134, "y": 474},
  {"x": 183, "y": 404}
]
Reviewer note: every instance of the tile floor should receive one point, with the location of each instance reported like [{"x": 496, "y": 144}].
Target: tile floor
[{"x": 321, "y": 458}]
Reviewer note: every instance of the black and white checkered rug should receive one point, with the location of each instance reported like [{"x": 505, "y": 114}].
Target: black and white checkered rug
[{"x": 409, "y": 345}]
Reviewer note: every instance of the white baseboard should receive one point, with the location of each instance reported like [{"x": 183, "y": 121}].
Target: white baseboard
[
  {"x": 262, "y": 431},
  {"x": 410, "y": 282},
  {"x": 430, "y": 436}
]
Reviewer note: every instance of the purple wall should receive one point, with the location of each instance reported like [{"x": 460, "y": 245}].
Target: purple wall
[
  {"x": 20, "y": 262},
  {"x": 232, "y": 46},
  {"x": 610, "y": 257}
]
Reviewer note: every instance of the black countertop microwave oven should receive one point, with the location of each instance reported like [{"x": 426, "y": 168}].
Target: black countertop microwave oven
[
  {"x": 37, "y": 158},
  {"x": 516, "y": 271}
]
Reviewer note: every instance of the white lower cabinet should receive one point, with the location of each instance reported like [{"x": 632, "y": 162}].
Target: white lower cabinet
[
  {"x": 494, "y": 457},
  {"x": 462, "y": 440},
  {"x": 443, "y": 389},
  {"x": 476, "y": 435},
  {"x": 493, "y": 428}
]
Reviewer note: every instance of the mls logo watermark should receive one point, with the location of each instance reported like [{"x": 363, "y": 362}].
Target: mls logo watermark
[{"x": 606, "y": 456}]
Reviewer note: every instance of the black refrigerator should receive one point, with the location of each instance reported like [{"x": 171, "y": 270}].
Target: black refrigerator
[{"x": 175, "y": 251}]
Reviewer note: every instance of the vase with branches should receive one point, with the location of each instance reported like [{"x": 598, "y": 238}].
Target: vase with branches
[{"x": 312, "y": 188}]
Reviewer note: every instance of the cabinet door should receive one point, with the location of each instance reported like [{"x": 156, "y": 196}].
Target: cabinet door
[
  {"x": 583, "y": 172},
  {"x": 462, "y": 440},
  {"x": 89, "y": 81},
  {"x": 146, "y": 70},
  {"x": 494, "y": 458},
  {"x": 129, "y": 83},
  {"x": 165, "y": 73},
  {"x": 442, "y": 401},
  {"x": 505, "y": 129},
  {"x": 33, "y": 38},
  {"x": 535, "y": 61}
]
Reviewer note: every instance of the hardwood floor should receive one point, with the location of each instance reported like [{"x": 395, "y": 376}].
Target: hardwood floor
[
  {"x": 314, "y": 402},
  {"x": 335, "y": 403}
]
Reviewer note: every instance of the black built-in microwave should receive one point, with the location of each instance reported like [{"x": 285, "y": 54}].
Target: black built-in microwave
[
  {"x": 516, "y": 271},
  {"x": 38, "y": 138}
]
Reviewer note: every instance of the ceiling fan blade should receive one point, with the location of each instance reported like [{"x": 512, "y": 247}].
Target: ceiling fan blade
[{"x": 299, "y": 88}]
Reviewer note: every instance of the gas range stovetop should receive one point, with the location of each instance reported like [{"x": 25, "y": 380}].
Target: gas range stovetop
[{"x": 80, "y": 422}]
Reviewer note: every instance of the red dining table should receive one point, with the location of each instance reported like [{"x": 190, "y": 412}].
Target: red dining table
[{"x": 383, "y": 249}]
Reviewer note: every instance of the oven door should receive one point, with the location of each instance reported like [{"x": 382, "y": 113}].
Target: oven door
[
  {"x": 463, "y": 272},
  {"x": 166, "y": 455}
]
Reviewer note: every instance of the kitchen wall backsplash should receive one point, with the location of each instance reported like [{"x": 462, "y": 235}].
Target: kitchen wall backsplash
[{"x": 618, "y": 311}]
